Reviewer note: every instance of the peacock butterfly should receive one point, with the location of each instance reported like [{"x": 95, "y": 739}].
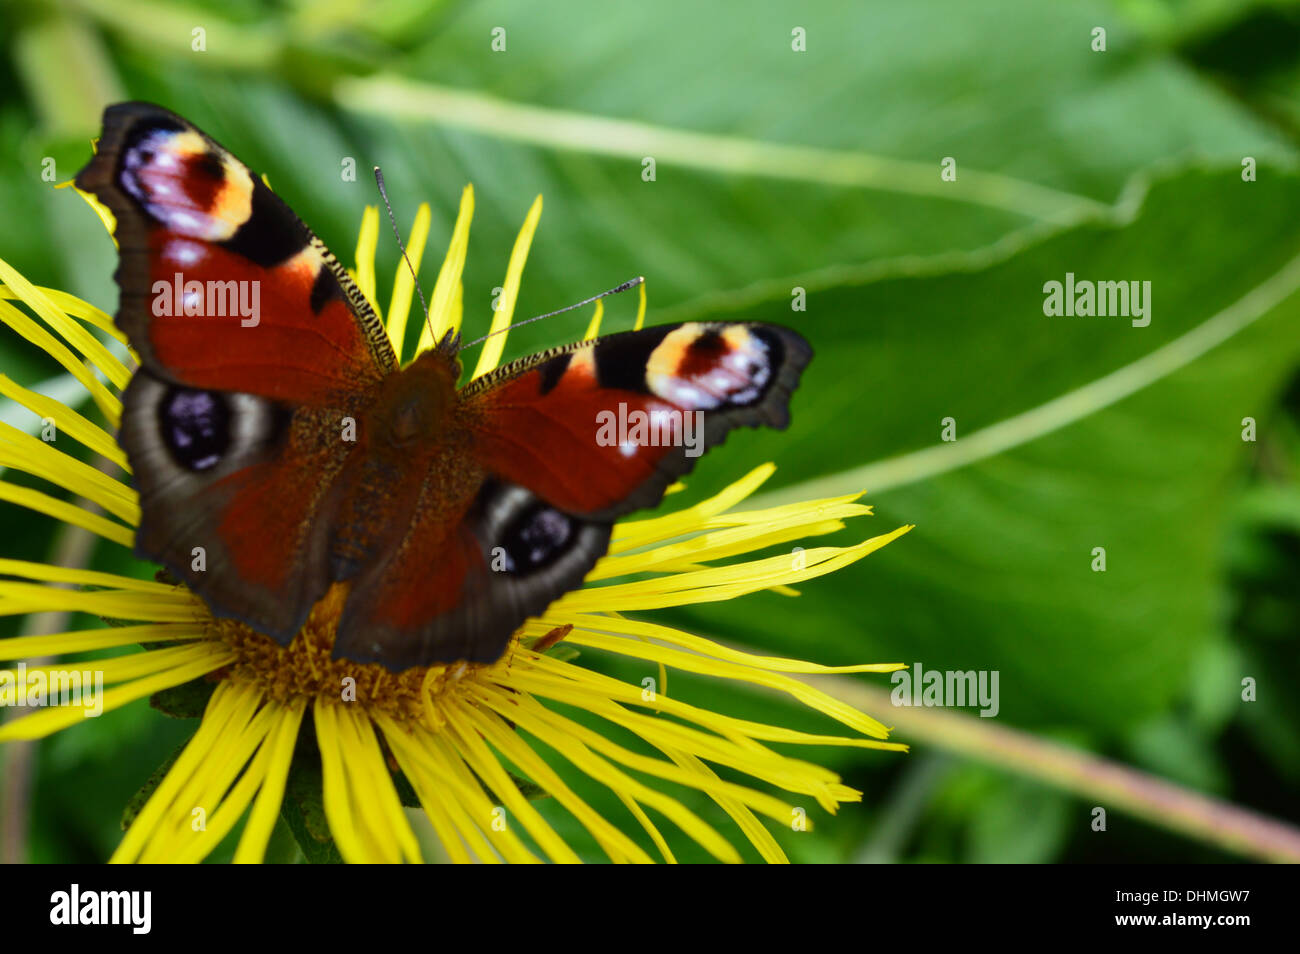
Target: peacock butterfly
[{"x": 452, "y": 514}]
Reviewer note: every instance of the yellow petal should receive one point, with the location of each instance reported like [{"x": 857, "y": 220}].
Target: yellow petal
[
  {"x": 404, "y": 283},
  {"x": 494, "y": 346},
  {"x": 443, "y": 316}
]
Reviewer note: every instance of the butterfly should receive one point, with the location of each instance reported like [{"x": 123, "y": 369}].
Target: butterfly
[{"x": 271, "y": 429}]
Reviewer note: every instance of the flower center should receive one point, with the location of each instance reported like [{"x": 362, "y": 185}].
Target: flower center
[{"x": 306, "y": 668}]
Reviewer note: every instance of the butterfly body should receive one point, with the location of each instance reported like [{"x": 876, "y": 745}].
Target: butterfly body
[
  {"x": 280, "y": 449},
  {"x": 412, "y": 432}
]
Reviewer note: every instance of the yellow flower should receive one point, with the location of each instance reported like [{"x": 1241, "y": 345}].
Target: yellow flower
[{"x": 465, "y": 737}]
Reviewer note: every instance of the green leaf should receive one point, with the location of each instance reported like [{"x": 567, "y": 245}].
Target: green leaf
[
  {"x": 303, "y": 811},
  {"x": 1020, "y": 822},
  {"x": 1173, "y": 748},
  {"x": 186, "y": 701},
  {"x": 1073, "y": 433},
  {"x": 138, "y": 800}
]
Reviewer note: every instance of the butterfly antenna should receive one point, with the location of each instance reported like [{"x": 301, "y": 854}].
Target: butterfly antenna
[
  {"x": 630, "y": 283},
  {"x": 383, "y": 193}
]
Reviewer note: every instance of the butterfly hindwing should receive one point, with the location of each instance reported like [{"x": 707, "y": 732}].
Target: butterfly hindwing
[
  {"x": 458, "y": 590},
  {"x": 235, "y": 496}
]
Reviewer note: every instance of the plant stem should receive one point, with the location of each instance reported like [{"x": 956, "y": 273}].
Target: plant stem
[
  {"x": 1099, "y": 781},
  {"x": 398, "y": 97}
]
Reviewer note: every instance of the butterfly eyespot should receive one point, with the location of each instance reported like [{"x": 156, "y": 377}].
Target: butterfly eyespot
[
  {"x": 535, "y": 539},
  {"x": 195, "y": 427}
]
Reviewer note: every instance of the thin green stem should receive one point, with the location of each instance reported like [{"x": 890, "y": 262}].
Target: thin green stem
[
  {"x": 1098, "y": 781},
  {"x": 904, "y": 809},
  {"x": 170, "y": 28},
  {"x": 629, "y": 139}
]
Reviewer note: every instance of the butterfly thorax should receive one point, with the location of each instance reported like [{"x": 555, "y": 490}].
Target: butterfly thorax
[
  {"x": 407, "y": 436},
  {"x": 413, "y": 407}
]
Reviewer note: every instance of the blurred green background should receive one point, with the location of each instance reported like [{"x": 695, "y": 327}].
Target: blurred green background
[{"x": 819, "y": 169}]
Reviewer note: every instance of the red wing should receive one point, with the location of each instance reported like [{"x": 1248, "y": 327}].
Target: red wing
[
  {"x": 457, "y": 587},
  {"x": 222, "y": 286},
  {"x": 600, "y": 429}
]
